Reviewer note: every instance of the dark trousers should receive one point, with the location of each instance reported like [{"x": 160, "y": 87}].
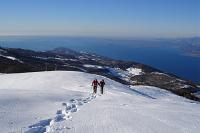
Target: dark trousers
[
  {"x": 95, "y": 89},
  {"x": 101, "y": 89}
]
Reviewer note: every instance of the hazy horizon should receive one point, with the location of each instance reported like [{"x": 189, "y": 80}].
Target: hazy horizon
[{"x": 97, "y": 37}]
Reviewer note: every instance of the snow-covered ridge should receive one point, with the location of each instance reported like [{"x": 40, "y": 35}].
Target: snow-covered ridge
[
  {"x": 122, "y": 74},
  {"x": 134, "y": 71},
  {"x": 122, "y": 71},
  {"x": 55, "y": 58},
  {"x": 2, "y": 51},
  {"x": 160, "y": 74},
  {"x": 62, "y": 102},
  {"x": 125, "y": 74},
  {"x": 11, "y": 58},
  {"x": 93, "y": 66}
]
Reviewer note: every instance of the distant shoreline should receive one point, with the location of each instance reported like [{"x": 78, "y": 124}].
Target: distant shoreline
[{"x": 191, "y": 54}]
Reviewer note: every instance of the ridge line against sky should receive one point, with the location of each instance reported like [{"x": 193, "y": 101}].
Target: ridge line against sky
[{"x": 101, "y": 18}]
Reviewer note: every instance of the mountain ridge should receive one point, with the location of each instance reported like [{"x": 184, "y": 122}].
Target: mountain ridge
[{"x": 14, "y": 60}]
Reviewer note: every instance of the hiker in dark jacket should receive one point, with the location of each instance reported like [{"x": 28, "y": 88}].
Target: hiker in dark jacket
[
  {"x": 95, "y": 84},
  {"x": 101, "y": 84}
]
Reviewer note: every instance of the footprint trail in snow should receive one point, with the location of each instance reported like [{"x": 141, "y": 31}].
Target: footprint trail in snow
[{"x": 44, "y": 126}]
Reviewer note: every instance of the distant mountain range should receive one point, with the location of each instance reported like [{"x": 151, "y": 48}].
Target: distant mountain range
[
  {"x": 130, "y": 73},
  {"x": 190, "y": 45}
]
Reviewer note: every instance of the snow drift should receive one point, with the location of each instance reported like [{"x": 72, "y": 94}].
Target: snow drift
[{"x": 62, "y": 102}]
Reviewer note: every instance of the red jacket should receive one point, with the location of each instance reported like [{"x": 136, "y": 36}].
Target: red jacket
[{"x": 95, "y": 83}]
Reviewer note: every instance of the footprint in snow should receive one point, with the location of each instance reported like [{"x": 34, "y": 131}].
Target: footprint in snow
[
  {"x": 71, "y": 107},
  {"x": 124, "y": 104},
  {"x": 40, "y": 127}
]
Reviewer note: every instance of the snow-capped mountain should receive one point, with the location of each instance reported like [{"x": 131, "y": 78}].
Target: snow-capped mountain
[
  {"x": 61, "y": 102},
  {"x": 126, "y": 72}
]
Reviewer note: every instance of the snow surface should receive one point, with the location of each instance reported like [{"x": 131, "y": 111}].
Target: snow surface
[
  {"x": 185, "y": 86},
  {"x": 93, "y": 66},
  {"x": 163, "y": 74},
  {"x": 62, "y": 102},
  {"x": 134, "y": 71},
  {"x": 125, "y": 74},
  {"x": 55, "y": 58}
]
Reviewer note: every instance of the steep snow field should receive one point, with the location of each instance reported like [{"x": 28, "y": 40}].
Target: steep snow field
[{"x": 62, "y": 102}]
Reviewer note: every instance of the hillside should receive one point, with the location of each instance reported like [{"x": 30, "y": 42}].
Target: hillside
[
  {"x": 126, "y": 72},
  {"x": 61, "y": 101}
]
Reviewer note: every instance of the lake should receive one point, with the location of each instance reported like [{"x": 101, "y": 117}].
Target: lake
[{"x": 159, "y": 54}]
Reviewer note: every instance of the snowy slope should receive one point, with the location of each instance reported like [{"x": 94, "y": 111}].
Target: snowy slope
[{"x": 62, "y": 102}]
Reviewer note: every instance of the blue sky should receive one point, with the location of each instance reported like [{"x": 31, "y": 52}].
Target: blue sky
[{"x": 104, "y": 18}]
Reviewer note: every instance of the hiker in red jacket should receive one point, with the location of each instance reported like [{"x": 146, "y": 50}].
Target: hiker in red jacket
[{"x": 94, "y": 84}]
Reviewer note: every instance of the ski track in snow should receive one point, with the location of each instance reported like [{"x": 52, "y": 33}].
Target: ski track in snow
[{"x": 44, "y": 126}]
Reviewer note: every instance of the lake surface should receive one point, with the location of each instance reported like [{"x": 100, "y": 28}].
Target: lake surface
[{"x": 158, "y": 54}]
